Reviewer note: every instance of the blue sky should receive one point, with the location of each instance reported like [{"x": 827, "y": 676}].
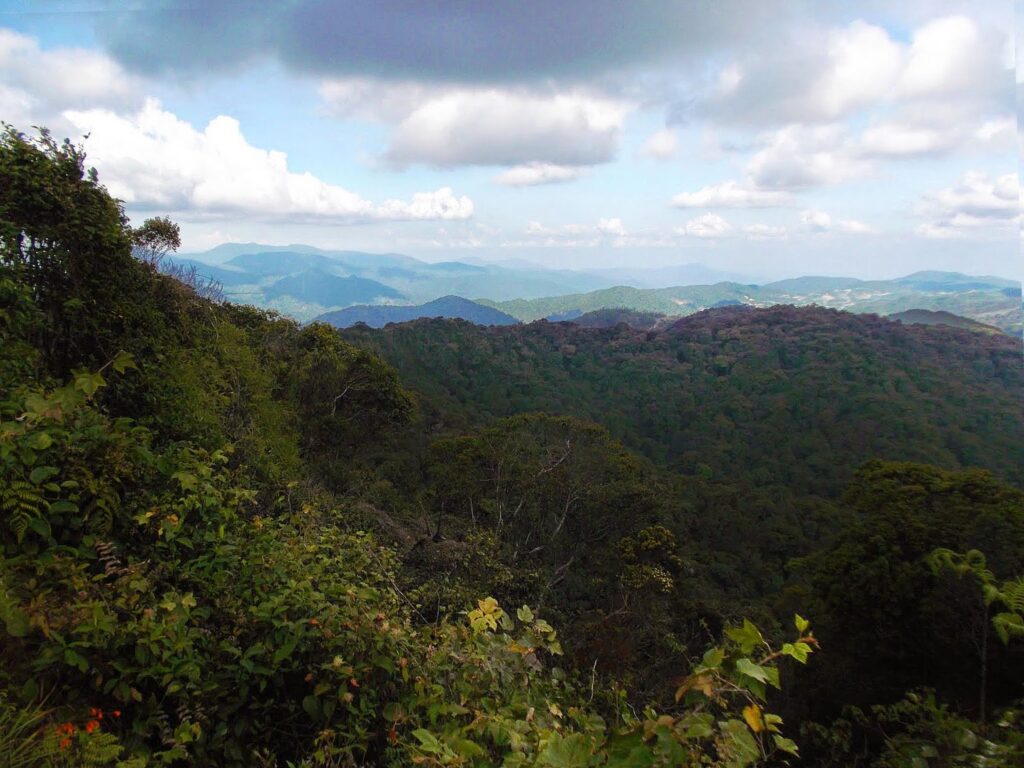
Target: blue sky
[{"x": 772, "y": 139}]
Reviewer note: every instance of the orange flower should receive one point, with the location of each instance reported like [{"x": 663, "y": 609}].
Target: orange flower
[
  {"x": 65, "y": 743},
  {"x": 353, "y": 682},
  {"x": 91, "y": 726},
  {"x": 314, "y": 622}
]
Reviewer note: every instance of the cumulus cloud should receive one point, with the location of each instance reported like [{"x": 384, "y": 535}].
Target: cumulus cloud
[
  {"x": 708, "y": 225},
  {"x": 153, "y": 160},
  {"x": 798, "y": 156},
  {"x": 537, "y": 173},
  {"x": 574, "y": 235},
  {"x": 821, "y": 222},
  {"x": 979, "y": 204},
  {"x": 660, "y": 145},
  {"x": 730, "y": 194},
  {"x": 453, "y": 125},
  {"x": 611, "y": 227},
  {"x": 508, "y": 127},
  {"x": 37, "y": 85},
  {"x": 812, "y": 75}
]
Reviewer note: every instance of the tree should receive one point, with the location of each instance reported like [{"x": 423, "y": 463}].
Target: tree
[
  {"x": 67, "y": 240},
  {"x": 1008, "y": 623},
  {"x": 154, "y": 240}
]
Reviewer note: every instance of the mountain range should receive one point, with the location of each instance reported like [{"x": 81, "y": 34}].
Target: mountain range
[
  {"x": 307, "y": 282},
  {"x": 989, "y": 300},
  {"x": 304, "y": 282}
]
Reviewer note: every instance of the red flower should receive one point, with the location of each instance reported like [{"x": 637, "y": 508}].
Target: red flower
[
  {"x": 117, "y": 713},
  {"x": 91, "y": 726}
]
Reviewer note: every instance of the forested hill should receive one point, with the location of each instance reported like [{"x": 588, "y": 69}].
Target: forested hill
[{"x": 791, "y": 396}]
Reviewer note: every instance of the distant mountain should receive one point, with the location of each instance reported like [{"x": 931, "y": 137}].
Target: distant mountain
[
  {"x": 227, "y": 251},
  {"x": 318, "y": 287},
  {"x": 450, "y": 307},
  {"x": 271, "y": 263},
  {"x": 659, "y": 277},
  {"x": 930, "y": 317},
  {"x": 990, "y": 300},
  {"x": 609, "y": 318},
  {"x": 954, "y": 281},
  {"x": 226, "y": 276},
  {"x": 252, "y": 268}
]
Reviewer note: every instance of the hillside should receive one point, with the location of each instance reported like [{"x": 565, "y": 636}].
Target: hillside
[
  {"x": 609, "y": 318},
  {"x": 990, "y": 300},
  {"x": 928, "y": 317},
  {"x": 450, "y": 307},
  {"x": 709, "y": 389}
]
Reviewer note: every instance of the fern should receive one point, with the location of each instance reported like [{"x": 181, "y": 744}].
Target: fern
[{"x": 21, "y": 502}]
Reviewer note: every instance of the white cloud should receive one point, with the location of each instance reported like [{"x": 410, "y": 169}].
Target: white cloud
[
  {"x": 798, "y": 156},
  {"x": 575, "y": 235},
  {"x": 447, "y": 125},
  {"x": 730, "y": 194},
  {"x": 978, "y": 204},
  {"x": 820, "y": 222},
  {"x": 151, "y": 159},
  {"x": 660, "y": 145},
  {"x": 817, "y": 221},
  {"x": 611, "y": 227},
  {"x": 998, "y": 131},
  {"x": 37, "y": 85},
  {"x": 441, "y": 204},
  {"x": 860, "y": 66},
  {"x": 814, "y": 75},
  {"x": 537, "y": 173},
  {"x": 854, "y": 227},
  {"x": 901, "y": 140},
  {"x": 708, "y": 225},
  {"x": 949, "y": 55}
]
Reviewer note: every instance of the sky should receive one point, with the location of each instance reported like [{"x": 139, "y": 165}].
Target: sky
[{"x": 768, "y": 139}]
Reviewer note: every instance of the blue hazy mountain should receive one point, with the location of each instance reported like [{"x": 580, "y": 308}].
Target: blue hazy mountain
[
  {"x": 450, "y": 307},
  {"x": 315, "y": 286}
]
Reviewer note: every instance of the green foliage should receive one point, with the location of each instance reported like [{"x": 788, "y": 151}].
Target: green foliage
[
  {"x": 873, "y": 588},
  {"x": 1009, "y": 622},
  {"x": 918, "y": 731}
]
